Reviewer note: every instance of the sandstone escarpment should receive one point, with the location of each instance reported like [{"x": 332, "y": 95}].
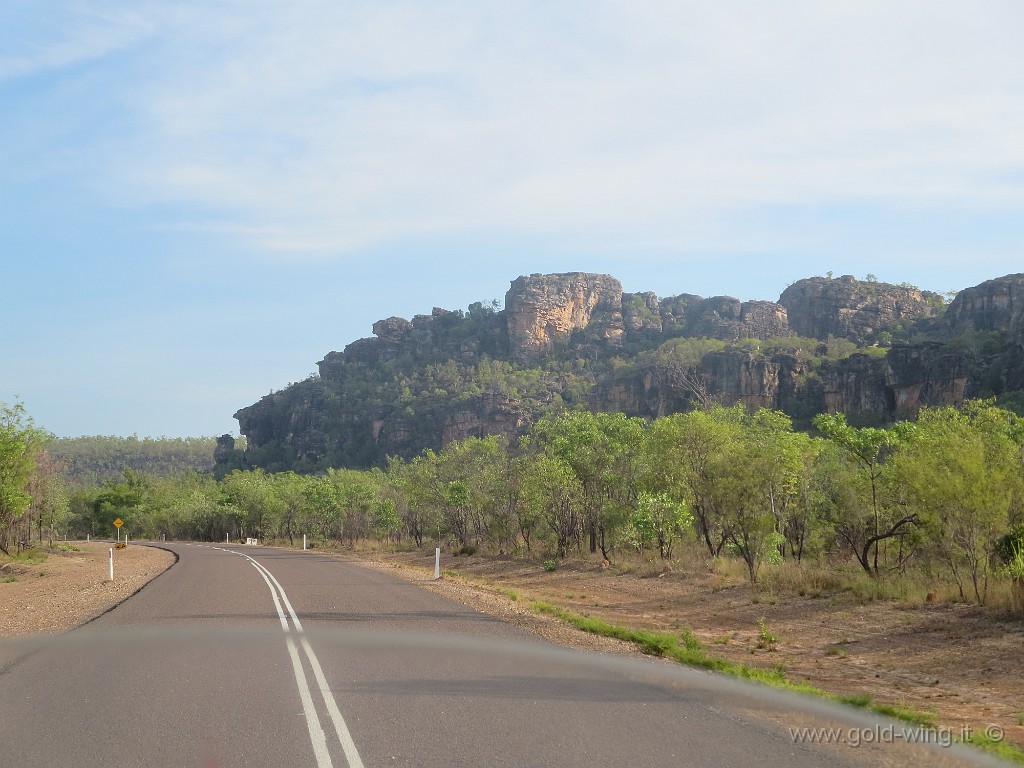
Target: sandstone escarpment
[
  {"x": 542, "y": 310},
  {"x": 857, "y": 310},
  {"x": 896, "y": 385},
  {"x": 490, "y": 414},
  {"x": 442, "y": 335},
  {"x": 995, "y": 305},
  {"x": 927, "y": 374},
  {"x": 641, "y": 315},
  {"x": 673, "y": 311},
  {"x": 576, "y": 340},
  {"x": 723, "y": 317}
]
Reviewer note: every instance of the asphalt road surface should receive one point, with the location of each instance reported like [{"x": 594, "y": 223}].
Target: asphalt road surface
[{"x": 251, "y": 656}]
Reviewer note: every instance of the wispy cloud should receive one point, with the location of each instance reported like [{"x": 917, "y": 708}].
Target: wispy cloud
[
  {"x": 40, "y": 37},
  {"x": 324, "y": 126}
]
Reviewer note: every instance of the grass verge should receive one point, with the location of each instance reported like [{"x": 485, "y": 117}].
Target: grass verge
[
  {"x": 32, "y": 556},
  {"x": 687, "y": 649},
  {"x": 997, "y": 747},
  {"x": 683, "y": 647}
]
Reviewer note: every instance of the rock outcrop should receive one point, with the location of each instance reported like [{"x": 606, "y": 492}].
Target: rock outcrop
[
  {"x": 995, "y": 305},
  {"x": 726, "y": 318},
  {"x": 852, "y": 309},
  {"x": 490, "y": 414},
  {"x": 542, "y": 310},
  {"x": 441, "y": 335}
]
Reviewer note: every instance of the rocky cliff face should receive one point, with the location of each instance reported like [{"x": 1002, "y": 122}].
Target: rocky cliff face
[
  {"x": 897, "y": 385},
  {"x": 848, "y": 308},
  {"x": 442, "y": 335},
  {"x": 995, "y": 305},
  {"x": 544, "y": 309},
  {"x": 726, "y": 318},
  {"x": 490, "y": 414},
  {"x": 446, "y": 376}
]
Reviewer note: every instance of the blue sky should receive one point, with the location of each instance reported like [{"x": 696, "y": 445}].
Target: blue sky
[{"x": 198, "y": 200}]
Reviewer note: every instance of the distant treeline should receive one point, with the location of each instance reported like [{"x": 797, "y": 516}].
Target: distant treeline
[
  {"x": 941, "y": 497},
  {"x": 93, "y": 460}
]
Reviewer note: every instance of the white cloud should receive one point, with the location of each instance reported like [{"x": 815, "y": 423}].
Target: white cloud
[
  {"x": 44, "y": 36},
  {"x": 315, "y": 125}
]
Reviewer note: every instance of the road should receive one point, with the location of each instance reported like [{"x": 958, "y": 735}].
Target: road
[{"x": 252, "y": 656}]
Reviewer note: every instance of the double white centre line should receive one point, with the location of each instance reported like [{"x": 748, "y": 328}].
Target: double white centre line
[{"x": 316, "y": 733}]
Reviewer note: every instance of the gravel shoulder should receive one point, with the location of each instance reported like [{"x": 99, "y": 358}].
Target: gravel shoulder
[{"x": 71, "y": 587}]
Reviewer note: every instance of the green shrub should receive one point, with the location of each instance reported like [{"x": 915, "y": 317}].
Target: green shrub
[
  {"x": 765, "y": 639},
  {"x": 1009, "y": 545}
]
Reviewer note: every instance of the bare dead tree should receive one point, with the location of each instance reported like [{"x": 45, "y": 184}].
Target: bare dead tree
[{"x": 684, "y": 381}]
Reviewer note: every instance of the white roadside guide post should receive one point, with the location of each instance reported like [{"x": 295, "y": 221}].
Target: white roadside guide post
[
  {"x": 111, "y": 563},
  {"x": 303, "y": 542},
  {"x": 437, "y": 563}
]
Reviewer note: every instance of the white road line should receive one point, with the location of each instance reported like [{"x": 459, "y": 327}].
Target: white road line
[
  {"x": 316, "y": 732},
  {"x": 277, "y": 602},
  {"x": 284, "y": 595},
  {"x": 348, "y": 745},
  {"x": 340, "y": 727}
]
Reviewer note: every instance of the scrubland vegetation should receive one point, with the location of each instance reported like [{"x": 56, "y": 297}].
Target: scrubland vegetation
[{"x": 937, "y": 500}]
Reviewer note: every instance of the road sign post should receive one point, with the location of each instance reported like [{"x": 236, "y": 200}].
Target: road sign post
[{"x": 117, "y": 524}]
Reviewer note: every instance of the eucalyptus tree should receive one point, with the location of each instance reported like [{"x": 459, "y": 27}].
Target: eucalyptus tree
[
  {"x": 189, "y": 505},
  {"x": 690, "y": 457},
  {"x": 359, "y": 497},
  {"x": 870, "y": 517},
  {"x": 961, "y": 468},
  {"x": 50, "y": 507},
  {"x": 401, "y": 480},
  {"x": 254, "y": 493},
  {"x": 552, "y": 496},
  {"x": 19, "y": 441},
  {"x": 324, "y": 507},
  {"x": 660, "y": 520},
  {"x": 458, "y": 488},
  {"x": 604, "y": 452},
  {"x": 761, "y": 486}
]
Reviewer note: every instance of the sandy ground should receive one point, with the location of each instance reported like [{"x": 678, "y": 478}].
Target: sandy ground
[
  {"x": 962, "y": 663},
  {"x": 71, "y": 587}
]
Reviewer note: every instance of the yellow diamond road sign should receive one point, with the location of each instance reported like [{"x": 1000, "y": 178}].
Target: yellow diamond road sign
[{"x": 119, "y": 522}]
